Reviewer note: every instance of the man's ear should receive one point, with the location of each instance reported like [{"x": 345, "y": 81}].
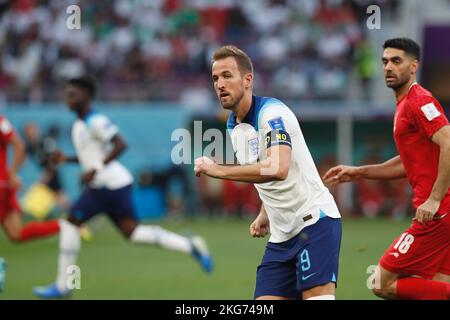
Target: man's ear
[
  {"x": 248, "y": 80},
  {"x": 414, "y": 66}
]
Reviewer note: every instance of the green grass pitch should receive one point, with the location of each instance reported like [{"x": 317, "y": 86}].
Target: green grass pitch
[{"x": 112, "y": 268}]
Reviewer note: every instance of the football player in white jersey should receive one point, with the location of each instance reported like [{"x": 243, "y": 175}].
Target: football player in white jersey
[
  {"x": 108, "y": 189},
  {"x": 302, "y": 255}
]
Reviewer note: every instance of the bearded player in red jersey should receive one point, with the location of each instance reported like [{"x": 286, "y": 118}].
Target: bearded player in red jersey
[
  {"x": 10, "y": 218},
  {"x": 417, "y": 264}
]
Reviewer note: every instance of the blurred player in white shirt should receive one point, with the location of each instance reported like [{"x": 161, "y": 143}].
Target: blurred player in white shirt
[{"x": 108, "y": 189}]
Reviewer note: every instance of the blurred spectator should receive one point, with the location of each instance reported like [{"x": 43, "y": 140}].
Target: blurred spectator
[
  {"x": 369, "y": 193},
  {"x": 240, "y": 199},
  {"x": 397, "y": 195},
  {"x": 176, "y": 191},
  {"x": 366, "y": 66},
  {"x": 370, "y": 197},
  {"x": 323, "y": 165},
  {"x": 171, "y": 185},
  {"x": 41, "y": 150},
  {"x": 390, "y": 198},
  {"x": 161, "y": 49},
  {"x": 211, "y": 195}
]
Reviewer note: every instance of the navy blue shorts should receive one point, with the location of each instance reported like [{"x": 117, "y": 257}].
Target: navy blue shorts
[
  {"x": 307, "y": 260},
  {"x": 117, "y": 204}
]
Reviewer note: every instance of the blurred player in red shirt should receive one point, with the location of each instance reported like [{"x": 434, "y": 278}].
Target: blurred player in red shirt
[
  {"x": 10, "y": 218},
  {"x": 417, "y": 264}
]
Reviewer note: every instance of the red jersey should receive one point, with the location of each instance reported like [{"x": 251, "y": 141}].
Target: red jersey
[
  {"x": 6, "y": 134},
  {"x": 418, "y": 117}
]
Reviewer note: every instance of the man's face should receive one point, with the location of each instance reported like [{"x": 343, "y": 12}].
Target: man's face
[
  {"x": 229, "y": 84},
  {"x": 75, "y": 97},
  {"x": 399, "y": 67},
  {"x": 31, "y": 132}
]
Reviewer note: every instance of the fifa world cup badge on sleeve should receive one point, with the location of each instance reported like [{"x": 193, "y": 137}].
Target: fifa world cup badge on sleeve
[
  {"x": 277, "y": 124},
  {"x": 430, "y": 111}
]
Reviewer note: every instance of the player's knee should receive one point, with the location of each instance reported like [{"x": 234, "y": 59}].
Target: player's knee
[
  {"x": 127, "y": 230},
  {"x": 127, "y": 234},
  {"x": 127, "y": 227},
  {"x": 327, "y": 289},
  {"x": 74, "y": 221},
  {"x": 14, "y": 236},
  {"x": 378, "y": 292},
  {"x": 384, "y": 291}
]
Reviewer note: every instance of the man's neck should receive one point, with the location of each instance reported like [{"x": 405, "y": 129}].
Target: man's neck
[
  {"x": 243, "y": 107},
  {"x": 403, "y": 91},
  {"x": 83, "y": 113}
]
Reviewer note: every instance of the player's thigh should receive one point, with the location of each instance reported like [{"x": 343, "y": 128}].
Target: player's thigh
[
  {"x": 441, "y": 277},
  {"x": 318, "y": 260},
  {"x": 272, "y": 298},
  {"x": 12, "y": 224},
  {"x": 419, "y": 251},
  {"x": 90, "y": 203},
  {"x": 321, "y": 290},
  {"x": 276, "y": 275},
  {"x": 122, "y": 211},
  {"x": 276, "y": 279},
  {"x": 443, "y": 273},
  {"x": 125, "y": 223},
  {"x": 10, "y": 213}
]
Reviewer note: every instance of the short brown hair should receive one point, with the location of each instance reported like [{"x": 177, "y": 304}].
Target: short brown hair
[{"x": 242, "y": 59}]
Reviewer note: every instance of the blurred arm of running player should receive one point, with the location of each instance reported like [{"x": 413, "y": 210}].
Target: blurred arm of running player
[
  {"x": 59, "y": 158},
  {"x": 119, "y": 146},
  {"x": 389, "y": 170},
  {"x": 274, "y": 168},
  {"x": 261, "y": 226},
  {"x": 19, "y": 158},
  {"x": 426, "y": 211}
]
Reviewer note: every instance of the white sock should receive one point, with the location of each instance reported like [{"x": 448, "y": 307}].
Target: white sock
[
  {"x": 69, "y": 247},
  {"x": 323, "y": 297},
  {"x": 156, "y": 235}
]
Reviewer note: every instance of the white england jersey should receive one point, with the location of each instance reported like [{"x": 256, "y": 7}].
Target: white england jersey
[
  {"x": 302, "y": 198},
  {"x": 91, "y": 138}
]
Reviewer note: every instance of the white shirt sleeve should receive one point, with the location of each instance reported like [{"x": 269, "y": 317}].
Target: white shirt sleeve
[
  {"x": 102, "y": 128},
  {"x": 5, "y": 127},
  {"x": 277, "y": 118}
]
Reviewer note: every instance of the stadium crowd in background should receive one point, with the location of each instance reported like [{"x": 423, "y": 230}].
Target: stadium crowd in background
[{"x": 160, "y": 49}]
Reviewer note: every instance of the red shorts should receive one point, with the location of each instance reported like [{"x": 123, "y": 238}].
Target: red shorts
[
  {"x": 420, "y": 250},
  {"x": 8, "y": 203}
]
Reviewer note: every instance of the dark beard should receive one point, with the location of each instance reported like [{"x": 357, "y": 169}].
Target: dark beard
[
  {"x": 398, "y": 85},
  {"x": 233, "y": 105}
]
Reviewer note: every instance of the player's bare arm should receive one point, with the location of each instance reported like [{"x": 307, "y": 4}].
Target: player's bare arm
[
  {"x": 261, "y": 226},
  {"x": 388, "y": 170},
  {"x": 428, "y": 209},
  {"x": 19, "y": 158},
  {"x": 60, "y": 158},
  {"x": 274, "y": 168},
  {"x": 119, "y": 146}
]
